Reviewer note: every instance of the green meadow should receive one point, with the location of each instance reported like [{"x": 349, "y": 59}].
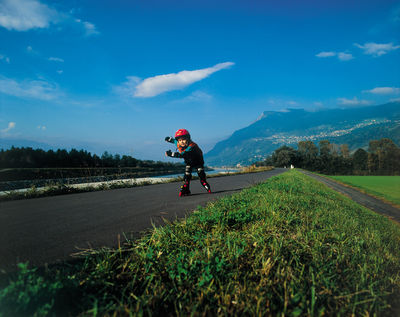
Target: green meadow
[
  {"x": 386, "y": 187},
  {"x": 289, "y": 246}
]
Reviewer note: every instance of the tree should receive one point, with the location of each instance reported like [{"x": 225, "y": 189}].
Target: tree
[
  {"x": 74, "y": 158},
  {"x": 62, "y": 158},
  {"x": 107, "y": 159},
  {"x": 117, "y": 160},
  {"x": 324, "y": 148},
  {"x": 30, "y": 158},
  {"x": 284, "y": 156},
  {"x": 325, "y": 162},
  {"x": 344, "y": 150},
  {"x": 373, "y": 163},
  {"x": 308, "y": 153},
  {"x": 360, "y": 160},
  {"x": 383, "y": 157}
]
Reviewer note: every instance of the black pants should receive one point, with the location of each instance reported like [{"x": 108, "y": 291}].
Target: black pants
[{"x": 188, "y": 173}]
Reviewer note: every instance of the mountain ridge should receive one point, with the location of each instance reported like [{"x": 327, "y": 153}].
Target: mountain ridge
[{"x": 353, "y": 126}]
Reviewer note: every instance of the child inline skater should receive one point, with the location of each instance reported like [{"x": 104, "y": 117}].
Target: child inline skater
[{"x": 193, "y": 156}]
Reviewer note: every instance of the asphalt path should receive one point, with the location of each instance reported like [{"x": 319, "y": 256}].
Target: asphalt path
[
  {"x": 363, "y": 199},
  {"x": 49, "y": 230}
]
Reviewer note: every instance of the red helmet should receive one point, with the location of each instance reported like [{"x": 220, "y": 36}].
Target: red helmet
[{"x": 182, "y": 133}]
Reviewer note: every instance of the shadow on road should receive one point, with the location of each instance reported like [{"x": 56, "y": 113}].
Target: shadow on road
[
  {"x": 216, "y": 192},
  {"x": 227, "y": 191}
]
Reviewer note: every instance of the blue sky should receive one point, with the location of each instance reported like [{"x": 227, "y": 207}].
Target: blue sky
[{"x": 121, "y": 75}]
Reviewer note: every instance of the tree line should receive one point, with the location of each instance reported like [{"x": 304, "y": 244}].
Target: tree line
[
  {"x": 27, "y": 157},
  {"x": 381, "y": 158}
]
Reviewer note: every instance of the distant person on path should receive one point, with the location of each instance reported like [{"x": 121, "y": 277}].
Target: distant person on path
[{"x": 193, "y": 156}]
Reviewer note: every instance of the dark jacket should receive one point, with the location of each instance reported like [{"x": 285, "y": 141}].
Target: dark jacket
[{"x": 192, "y": 154}]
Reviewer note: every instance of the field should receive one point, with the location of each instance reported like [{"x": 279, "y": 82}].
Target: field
[
  {"x": 386, "y": 187},
  {"x": 289, "y": 246}
]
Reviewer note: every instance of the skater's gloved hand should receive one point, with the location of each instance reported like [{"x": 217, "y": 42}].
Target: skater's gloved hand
[
  {"x": 168, "y": 153},
  {"x": 168, "y": 139}
]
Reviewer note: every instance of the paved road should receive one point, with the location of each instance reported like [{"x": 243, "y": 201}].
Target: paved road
[
  {"x": 361, "y": 198},
  {"x": 50, "y": 229}
]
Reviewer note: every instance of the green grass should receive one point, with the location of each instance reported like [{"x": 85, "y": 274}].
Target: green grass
[
  {"x": 386, "y": 187},
  {"x": 290, "y": 246}
]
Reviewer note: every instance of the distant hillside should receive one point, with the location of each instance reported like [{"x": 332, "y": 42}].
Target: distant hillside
[{"x": 353, "y": 126}]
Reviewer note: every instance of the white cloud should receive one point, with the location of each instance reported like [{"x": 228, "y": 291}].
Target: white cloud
[
  {"x": 384, "y": 90},
  {"x": 24, "y": 15},
  {"x": 42, "y": 127},
  {"x": 32, "y": 51},
  {"x": 395, "y": 100},
  {"x": 326, "y": 54},
  {"x": 128, "y": 88},
  {"x": 341, "y": 55},
  {"x": 11, "y": 125},
  {"x": 90, "y": 28},
  {"x": 60, "y": 71},
  {"x": 199, "y": 96},
  {"x": 345, "y": 56},
  {"x": 195, "y": 97},
  {"x": 154, "y": 86},
  {"x": 353, "y": 102},
  {"x": 4, "y": 58},
  {"x": 56, "y": 59},
  {"x": 377, "y": 50},
  {"x": 36, "y": 89}
]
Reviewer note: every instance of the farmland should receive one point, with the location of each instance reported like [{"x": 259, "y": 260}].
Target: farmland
[{"x": 386, "y": 187}]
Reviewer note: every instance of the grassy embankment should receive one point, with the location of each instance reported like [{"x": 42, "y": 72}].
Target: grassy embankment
[
  {"x": 386, "y": 187},
  {"x": 288, "y": 246}
]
